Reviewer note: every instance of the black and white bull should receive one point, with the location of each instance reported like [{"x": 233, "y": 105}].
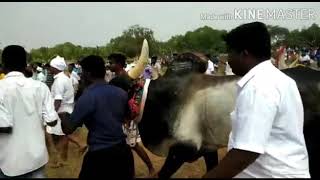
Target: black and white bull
[
  {"x": 186, "y": 116},
  {"x": 180, "y": 115}
]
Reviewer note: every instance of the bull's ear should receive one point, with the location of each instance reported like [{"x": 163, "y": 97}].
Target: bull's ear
[{"x": 142, "y": 62}]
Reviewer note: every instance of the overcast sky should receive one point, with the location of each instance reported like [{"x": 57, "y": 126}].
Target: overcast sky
[{"x": 39, "y": 24}]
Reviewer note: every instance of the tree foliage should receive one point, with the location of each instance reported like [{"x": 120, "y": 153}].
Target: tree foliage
[
  {"x": 307, "y": 37},
  {"x": 278, "y": 34},
  {"x": 131, "y": 39},
  {"x": 204, "y": 39}
]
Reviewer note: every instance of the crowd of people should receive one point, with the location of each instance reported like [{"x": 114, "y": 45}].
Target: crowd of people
[
  {"x": 63, "y": 81},
  {"x": 44, "y": 106},
  {"x": 304, "y": 56}
]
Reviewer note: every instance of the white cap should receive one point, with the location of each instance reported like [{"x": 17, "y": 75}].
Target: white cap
[
  {"x": 58, "y": 63},
  {"x": 39, "y": 69}
]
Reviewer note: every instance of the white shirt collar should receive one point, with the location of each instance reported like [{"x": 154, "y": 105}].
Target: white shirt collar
[
  {"x": 258, "y": 68},
  {"x": 14, "y": 74},
  {"x": 57, "y": 75}
]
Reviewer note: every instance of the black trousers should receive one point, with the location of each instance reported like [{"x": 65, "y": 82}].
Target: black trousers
[{"x": 114, "y": 162}]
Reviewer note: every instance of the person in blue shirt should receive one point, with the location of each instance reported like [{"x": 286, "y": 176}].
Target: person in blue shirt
[
  {"x": 317, "y": 57},
  {"x": 102, "y": 108}
]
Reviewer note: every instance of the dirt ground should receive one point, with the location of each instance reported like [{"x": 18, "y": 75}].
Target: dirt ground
[{"x": 71, "y": 170}]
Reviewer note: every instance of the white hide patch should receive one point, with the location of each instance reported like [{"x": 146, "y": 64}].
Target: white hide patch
[
  {"x": 187, "y": 127},
  {"x": 212, "y": 107}
]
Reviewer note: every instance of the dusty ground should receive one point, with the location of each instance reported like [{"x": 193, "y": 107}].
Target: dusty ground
[{"x": 71, "y": 170}]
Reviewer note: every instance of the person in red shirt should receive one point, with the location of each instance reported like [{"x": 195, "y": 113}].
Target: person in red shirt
[{"x": 130, "y": 127}]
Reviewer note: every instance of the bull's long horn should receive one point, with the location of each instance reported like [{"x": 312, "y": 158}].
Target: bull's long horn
[{"x": 142, "y": 62}]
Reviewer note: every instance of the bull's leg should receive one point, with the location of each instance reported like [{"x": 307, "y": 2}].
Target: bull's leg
[
  {"x": 311, "y": 136},
  {"x": 178, "y": 154},
  {"x": 314, "y": 157},
  {"x": 211, "y": 159}
]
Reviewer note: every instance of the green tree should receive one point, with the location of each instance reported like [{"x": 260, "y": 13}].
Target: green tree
[
  {"x": 294, "y": 39},
  {"x": 278, "y": 34},
  {"x": 204, "y": 39},
  {"x": 131, "y": 40},
  {"x": 311, "y": 36},
  {"x": 307, "y": 37}
]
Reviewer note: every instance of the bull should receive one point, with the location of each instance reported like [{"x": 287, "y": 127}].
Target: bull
[{"x": 185, "y": 115}]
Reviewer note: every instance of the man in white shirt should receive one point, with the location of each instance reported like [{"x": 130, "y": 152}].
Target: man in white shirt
[
  {"x": 305, "y": 59},
  {"x": 25, "y": 104},
  {"x": 109, "y": 74},
  {"x": 74, "y": 137},
  {"x": 228, "y": 70},
  {"x": 210, "y": 68},
  {"x": 266, "y": 140},
  {"x": 63, "y": 94},
  {"x": 40, "y": 75},
  {"x": 156, "y": 67},
  {"x": 74, "y": 77}
]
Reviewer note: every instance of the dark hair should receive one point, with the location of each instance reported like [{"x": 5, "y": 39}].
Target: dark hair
[
  {"x": 154, "y": 60},
  {"x": 14, "y": 58},
  {"x": 253, "y": 37},
  {"x": 94, "y": 65},
  {"x": 47, "y": 65},
  {"x": 71, "y": 66},
  {"x": 39, "y": 64},
  {"x": 124, "y": 82},
  {"x": 118, "y": 58},
  {"x": 107, "y": 67},
  {"x": 28, "y": 72}
]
